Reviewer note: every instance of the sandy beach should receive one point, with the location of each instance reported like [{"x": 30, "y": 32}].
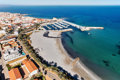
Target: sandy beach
[{"x": 51, "y": 49}]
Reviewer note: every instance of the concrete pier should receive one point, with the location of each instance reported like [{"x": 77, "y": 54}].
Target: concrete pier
[
  {"x": 64, "y": 30},
  {"x": 82, "y": 28},
  {"x": 89, "y": 28}
]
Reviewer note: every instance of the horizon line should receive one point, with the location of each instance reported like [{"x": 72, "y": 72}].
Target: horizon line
[{"x": 59, "y": 5}]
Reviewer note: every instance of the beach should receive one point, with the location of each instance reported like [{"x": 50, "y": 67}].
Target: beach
[
  {"x": 52, "y": 50},
  {"x": 95, "y": 46}
]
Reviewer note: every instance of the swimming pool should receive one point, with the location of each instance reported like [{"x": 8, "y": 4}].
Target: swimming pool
[{"x": 23, "y": 53}]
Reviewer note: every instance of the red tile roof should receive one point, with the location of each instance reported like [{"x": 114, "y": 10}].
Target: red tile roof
[
  {"x": 14, "y": 74},
  {"x": 30, "y": 65}
]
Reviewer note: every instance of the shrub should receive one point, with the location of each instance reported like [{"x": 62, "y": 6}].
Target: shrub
[{"x": 9, "y": 67}]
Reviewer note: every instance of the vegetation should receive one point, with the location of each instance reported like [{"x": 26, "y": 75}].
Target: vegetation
[
  {"x": 38, "y": 76},
  {"x": 9, "y": 67},
  {"x": 64, "y": 75},
  {"x": 10, "y": 31},
  {"x": 37, "y": 25},
  {"x": 17, "y": 66},
  {"x": 20, "y": 30}
]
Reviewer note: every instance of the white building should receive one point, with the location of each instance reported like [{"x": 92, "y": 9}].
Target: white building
[{"x": 30, "y": 67}]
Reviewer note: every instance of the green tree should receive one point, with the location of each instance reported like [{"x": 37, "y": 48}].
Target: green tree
[
  {"x": 20, "y": 30},
  {"x": 37, "y": 25}
]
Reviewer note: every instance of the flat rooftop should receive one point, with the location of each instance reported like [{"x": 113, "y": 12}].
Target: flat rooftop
[{"x": 11, "y": 50}]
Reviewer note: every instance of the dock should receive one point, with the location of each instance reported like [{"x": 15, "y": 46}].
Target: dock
[
  {"x": 60, "y": 24},
  {"x": 90, "y": 28},
  {"x": 82, "y": 28},
  {"x": 64, "y": 30}
]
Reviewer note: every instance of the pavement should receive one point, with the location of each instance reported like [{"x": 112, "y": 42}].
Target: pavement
[
  {"x": 53, "y": 75},
  {"x": 50, "y": 75}
]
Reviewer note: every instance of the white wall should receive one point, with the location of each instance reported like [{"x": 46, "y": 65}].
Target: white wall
[
  {"x": 19, "y": 79},
  {"x": 34, "y": 72}
]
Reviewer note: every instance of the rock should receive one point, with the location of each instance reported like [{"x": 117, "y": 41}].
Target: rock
[
  {"x": 113, "y": 54},
  {"x": 106, "y": 62},
  {"x": 119, "y": 52}
]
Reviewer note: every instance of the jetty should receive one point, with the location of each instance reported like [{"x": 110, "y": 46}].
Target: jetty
[
  {"x": 64, "y": 30},
  {"x": 89, "y": 28},
  {"x": 82, "y": 28}
]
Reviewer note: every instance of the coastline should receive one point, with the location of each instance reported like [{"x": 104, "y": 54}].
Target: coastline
[
  {"x": 78, "y": 67},
  {"x": 52, "y": 49},
  {"x": 110, "y": 35}
]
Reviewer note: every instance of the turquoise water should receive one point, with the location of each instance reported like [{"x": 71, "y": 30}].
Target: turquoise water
[
  {"x": 23, "y": 53},
  {"x": 99, "y": 49},
  {"x": 96, "y": 49}
]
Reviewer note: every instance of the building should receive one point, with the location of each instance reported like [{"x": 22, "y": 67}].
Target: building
[
  {"x": 2, "y": 33},
  {"x": 14, "y": 74},
  {"x": 30, "y": 67},
  {"x": 25, "y": 72},
  {"x": 12, "y": 52}
]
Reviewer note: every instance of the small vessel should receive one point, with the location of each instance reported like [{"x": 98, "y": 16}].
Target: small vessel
[{"x": 89, "y": 33}]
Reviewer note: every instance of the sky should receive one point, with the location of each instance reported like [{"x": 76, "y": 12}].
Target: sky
[{"x": 60, "y": 2}]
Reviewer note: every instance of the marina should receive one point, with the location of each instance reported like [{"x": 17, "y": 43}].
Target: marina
[
  {"x": 84, "y": 49},
  {"x": 60, "y": 24}
]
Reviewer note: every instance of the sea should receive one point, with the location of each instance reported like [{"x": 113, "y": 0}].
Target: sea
[{"x": 98, "y": 49}]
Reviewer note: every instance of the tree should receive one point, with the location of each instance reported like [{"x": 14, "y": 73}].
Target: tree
[
  {"x": 8, "y": 66},
  {"x": 20, "y": 30},
  {"x": 37, "y": 25},
  {"x": 10, "y": 31}
]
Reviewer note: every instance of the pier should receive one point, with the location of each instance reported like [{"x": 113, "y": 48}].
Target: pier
[
  {"x": 82, "y": 28},
  {"x": 64, "y": 30},
  {"x": 89, "y": 28}
]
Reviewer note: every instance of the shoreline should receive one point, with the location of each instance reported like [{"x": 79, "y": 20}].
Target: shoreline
[
  {"x": 85, "y": 72},
  {"x": 52, "y": 49}
]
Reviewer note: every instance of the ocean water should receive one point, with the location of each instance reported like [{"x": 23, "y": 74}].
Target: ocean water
[{"x": 100, "y": 49}]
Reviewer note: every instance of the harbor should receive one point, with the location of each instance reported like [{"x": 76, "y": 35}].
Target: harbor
[{"x": 60, "y": 24}]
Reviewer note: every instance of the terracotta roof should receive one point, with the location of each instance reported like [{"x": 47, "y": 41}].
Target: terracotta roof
[
  {"x": 13, "y": 43},
  {"x": 40, "y": 19},
  {"x": 9, "y": 26},
  {"x": 10, "y": 42},
  {"x": 14, "y": 74},
  {"x": 30, "y": 65}
]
